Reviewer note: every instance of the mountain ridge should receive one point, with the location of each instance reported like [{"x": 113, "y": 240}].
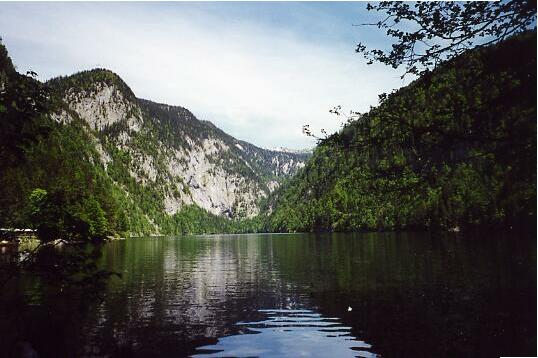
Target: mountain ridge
[
  {"x": 165, "y": 170},
  {"x": 104, "y": 101},
  {"x": 64, "y": 82}
]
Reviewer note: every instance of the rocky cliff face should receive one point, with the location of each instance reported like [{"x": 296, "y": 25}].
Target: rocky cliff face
[{"x": 164, "y": 153}]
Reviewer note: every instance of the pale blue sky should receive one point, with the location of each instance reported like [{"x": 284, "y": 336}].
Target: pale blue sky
[{"x": 259, "y": 71}]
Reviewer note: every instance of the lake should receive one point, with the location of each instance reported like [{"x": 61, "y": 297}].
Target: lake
[{"x": 312, "y": 295}]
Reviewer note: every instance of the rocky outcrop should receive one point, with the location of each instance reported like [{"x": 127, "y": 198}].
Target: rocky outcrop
[{"x": 178, "y": 159}]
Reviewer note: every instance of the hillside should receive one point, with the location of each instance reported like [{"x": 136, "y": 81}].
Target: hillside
[
  {"x": 146, "y": 167},
  {"x": 454, "y": 149},
  {"x": 169, "y": 151}
]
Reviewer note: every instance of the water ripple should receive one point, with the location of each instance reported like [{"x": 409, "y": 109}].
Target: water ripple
[{"x": 298, "y": 333}]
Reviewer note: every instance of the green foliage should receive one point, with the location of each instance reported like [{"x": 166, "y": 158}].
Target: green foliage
[
  {"x": 457, "y": 147},
  {"x": 23, "y": 103},
  {"x": 49, "y": 178},
  {"x": 192, "y": 219},
  {"x": 78, "y": 197},
  {"x": 427, "y": 33}
]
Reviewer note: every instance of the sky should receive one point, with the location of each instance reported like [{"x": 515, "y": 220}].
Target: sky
[{"x": 259, "y": 71}]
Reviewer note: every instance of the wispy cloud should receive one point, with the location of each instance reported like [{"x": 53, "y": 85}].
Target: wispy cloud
[{"x": 258, "y": 71}]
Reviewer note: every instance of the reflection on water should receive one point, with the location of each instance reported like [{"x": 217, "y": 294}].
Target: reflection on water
[
  {"x": 303, "y": 332},
  {"x": 411, "y": 295}
]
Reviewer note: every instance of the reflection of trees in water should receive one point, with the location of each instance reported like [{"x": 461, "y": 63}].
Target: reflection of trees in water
[
  {"x": 185, "y": 291},
  {"x": 44, "y": 296},
  {"x": 418, "y": 295},
  {"x": 409, "y": 292}
]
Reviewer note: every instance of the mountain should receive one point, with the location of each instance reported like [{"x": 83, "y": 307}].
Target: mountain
[
  {"x": 454, "y": 149},
  {"x": 296, "y": 151},
  {"x": 168, "y": 150},
  {"x": 164, "y": 169}
]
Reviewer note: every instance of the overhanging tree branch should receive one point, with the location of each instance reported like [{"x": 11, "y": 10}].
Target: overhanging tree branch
[{"x": 443, "y": 30}]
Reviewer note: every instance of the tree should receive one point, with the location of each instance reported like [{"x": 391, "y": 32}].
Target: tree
[
  {"x": 428, "y": 33},
  {"x": 23, "y": 103},
  {"x": 45, "y": 215}
]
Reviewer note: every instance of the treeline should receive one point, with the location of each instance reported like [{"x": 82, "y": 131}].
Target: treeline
[
  {"x": 455, "y": 148},
  {"x": 194, "y": 220}
]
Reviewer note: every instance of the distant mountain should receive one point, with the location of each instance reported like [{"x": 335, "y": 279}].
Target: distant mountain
[{"x": 294, "y": 151}]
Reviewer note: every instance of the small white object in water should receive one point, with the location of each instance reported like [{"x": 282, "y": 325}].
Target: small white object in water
[{"x": 349, "y": 309}]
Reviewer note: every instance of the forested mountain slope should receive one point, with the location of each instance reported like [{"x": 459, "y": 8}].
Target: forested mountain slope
[
  {"x": 144, "y": 166},
  {"x": 455, "y": 148},
  {"x": 167, "y": 150}
]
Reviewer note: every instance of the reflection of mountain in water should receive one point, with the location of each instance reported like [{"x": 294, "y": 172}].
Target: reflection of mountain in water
[
  {"x": 177, "y": 294},
  {"x": 297, "y": 333}
]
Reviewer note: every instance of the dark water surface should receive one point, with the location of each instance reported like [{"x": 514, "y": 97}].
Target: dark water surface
[{"x": 330, "y": 295}]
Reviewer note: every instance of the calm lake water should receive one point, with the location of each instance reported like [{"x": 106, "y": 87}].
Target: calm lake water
[{"x": 325, "y": 295}]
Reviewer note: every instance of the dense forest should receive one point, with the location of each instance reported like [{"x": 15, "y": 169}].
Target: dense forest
[{"x": 454, "y": 149}]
